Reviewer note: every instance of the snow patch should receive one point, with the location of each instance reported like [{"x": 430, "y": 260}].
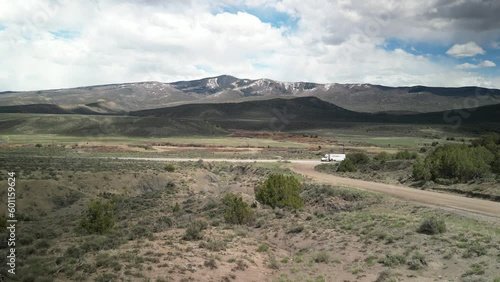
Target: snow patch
[
  {"x": 329, "y": 85},
  {"x": 212, "y": 83}
]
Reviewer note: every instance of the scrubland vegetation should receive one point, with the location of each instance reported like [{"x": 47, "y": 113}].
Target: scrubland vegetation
[
  {"x": 460, "y": 162},
  {"x": 115, "y": 220}
]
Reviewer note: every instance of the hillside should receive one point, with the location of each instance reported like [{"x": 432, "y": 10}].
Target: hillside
[
  {"x": 308, "y": 112},
  {"x": 224, "y": 89},
  {"x": 95, "y": 126},
  {"x": 96, "y": 108},
  {"x": 303, "y": 108},
  {"x": 215, "y": 118}
]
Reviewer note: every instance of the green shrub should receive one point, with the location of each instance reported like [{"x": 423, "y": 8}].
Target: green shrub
[
  {"x": 387, "y": 276},
  {"x": 417, "y": 262},
  {"x": 169, "y": 167},
  {"x": 495, "y": 164},
  {"x": 211, "y": 263},
  {"x": 458, "y": 161},
  {"x": 213, "y": 245},
  {"x": 392, "y": 260},
  {"x": 25, "y": 239},
  {"x": 194, "y": 230},
  {"x": 405, "y": 155},
  {"x": 38, "y": 145},
  {"x": 475, "y": 269},
  {"x": 358, "y": 158},
  {"x": 280, "y": 190},
  {"x": 162, "y": 223},
  {"x": 263, "y": 248},
  {"x": 42, "y": 244},
  {"x": 139, "y": 231},
  {"x": 492, "y": 143},
  {"x": 383, "y": 156},
  {"x": 74, "y": 252},
  {"x": 296, "y": 229},
  {"x": 475, "y": 249},
  {"x": 273, "y": 263},
  {"x": 346, "y": 166},
  {"x": 321, "y": 257},
  {"x": 237, "y": 211},
  {"x": 420, "y": 170},
  {"x": 176, "y": 208},
  {"x": 489, "y": 141},
  {"x": 98, "y": 218},
  {"x": 240, "y": 265},
  {"x": 431, "y": 226}
]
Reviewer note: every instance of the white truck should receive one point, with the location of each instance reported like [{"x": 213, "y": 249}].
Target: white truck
[{"x": 333, "y": 157}]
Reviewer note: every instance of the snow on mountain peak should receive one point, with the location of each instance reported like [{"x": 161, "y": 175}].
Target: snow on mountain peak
[{"x": 212, "y": 83}]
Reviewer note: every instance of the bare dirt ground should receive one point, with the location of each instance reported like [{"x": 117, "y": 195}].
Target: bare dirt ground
[{"x": 447, "y": 201}]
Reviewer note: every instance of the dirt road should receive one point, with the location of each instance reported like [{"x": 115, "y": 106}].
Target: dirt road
[
  {"x": 448, "y": 201},
  {"x": 443, "y": 200}
]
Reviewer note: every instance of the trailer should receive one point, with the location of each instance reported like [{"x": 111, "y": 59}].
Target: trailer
[{"x": 333, "y": 158}]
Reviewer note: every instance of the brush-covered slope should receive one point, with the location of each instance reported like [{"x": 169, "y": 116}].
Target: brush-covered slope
[
  {"x": 92, "y": 126},
  {"x": 307, "y": 112},
  {"x": 303, "y": 108},
  {"x": 104, "y": 108}
]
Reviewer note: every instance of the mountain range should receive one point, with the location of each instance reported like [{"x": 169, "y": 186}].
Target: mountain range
[{"x": 368, "y": 98}]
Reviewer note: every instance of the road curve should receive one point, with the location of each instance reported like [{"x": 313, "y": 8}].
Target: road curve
[
  {"x": 306, "y": 168},
  {"x": 444, "y": 200}
]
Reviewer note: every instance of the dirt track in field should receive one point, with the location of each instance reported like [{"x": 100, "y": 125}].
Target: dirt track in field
[{"x": 444, "y": 200}]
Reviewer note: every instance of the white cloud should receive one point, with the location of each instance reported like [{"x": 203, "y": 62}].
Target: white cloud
[
  {"x": 487, "y": 64},
  {"x": 137, "y": 40},
  {"x": 467, "y": 66},
  {"x": 483, "y": 64},
  {"x": 469, "y": 49}
]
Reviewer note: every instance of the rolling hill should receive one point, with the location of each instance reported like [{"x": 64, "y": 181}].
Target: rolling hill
[
  {"x": 223, "y": 89},
  {"x": 97, "y": 108},
  {"x": 216, "y": 118},
  {"x": 96, "y": 126},
  {"x": 309, "y": 112}
]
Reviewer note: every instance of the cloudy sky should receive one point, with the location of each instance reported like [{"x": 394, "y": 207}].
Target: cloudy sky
[{"x": 66, "y": 43}]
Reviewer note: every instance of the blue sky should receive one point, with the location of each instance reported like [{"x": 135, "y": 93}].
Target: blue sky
[
  {"x": 403, "y": 43},
  {"x": 269, "y": 15},
  {"x": 437, "y": 53},
  {"x": 65, "y": 34}
]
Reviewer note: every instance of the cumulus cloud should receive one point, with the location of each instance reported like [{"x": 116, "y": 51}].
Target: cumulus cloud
[
  {"x": 469, "y": 49},
  {"x": 53, "y": 44},
  {"x": 483, "y": 64}
]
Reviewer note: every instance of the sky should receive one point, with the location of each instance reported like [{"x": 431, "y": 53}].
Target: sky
[{"x": 47, "y": 44}]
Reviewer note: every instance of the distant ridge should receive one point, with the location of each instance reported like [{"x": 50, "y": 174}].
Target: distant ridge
[
  {"x": 223, "y": 89},
  {"x": 97, "y": 108}
]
